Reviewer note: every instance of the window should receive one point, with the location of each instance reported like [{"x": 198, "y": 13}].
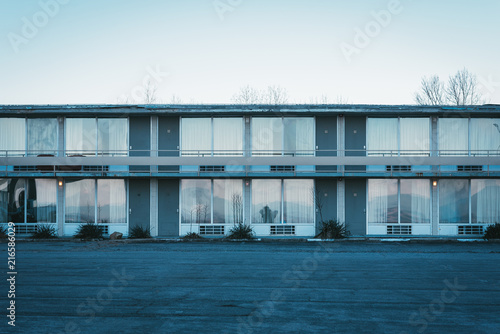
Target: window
[
  {"x": 399, "y": 201},
  {"x": 207, "y": 201},
  {"x": 283, "y": 136},
  {"x": 42, "y": 136},
  {"x": 453, "y": 136},
  {"x": 398, "y": 136},
  {"x": 12, "y": 136},
  {"x": 212, "y": 136},
  {"x": 485, "y": 201},
  {"x": 454, "y": 201},
  {"x": 88, "y": 136},
  {"x": 485, "y": 136},
  {"x": 102, "y": 201},
  {"x": 283, "y": 201}
]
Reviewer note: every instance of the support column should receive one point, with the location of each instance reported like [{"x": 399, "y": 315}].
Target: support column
[
  {"x": 247, "y": 205},
  {"x": 153, "y": 207},
  {"x": 341, "y": 201},
  {"x": 60, "y": 136},
  {"x": 60, "y": 208},
  {"x": 154, "y": 140},
  {"x": 434, "y": 212}
]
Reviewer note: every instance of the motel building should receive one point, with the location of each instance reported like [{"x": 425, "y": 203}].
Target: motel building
[{"x": 383, "y": 170}]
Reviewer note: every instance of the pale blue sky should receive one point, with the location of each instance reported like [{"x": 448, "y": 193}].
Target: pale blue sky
[{"x": 92, "y": 51}]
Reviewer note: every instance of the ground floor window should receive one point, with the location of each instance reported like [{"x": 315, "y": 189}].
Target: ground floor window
[
  {"x": 103, "y": 201},
  {"x": 399, "y": 201},
  {"x": 283, "y": 201},
  {"x": 212, "y": 201},
  {"x": 475, "y": 201},
  {"x": 28, "y": 200}
]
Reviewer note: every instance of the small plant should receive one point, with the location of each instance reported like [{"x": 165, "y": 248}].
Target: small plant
[
  {"x": 44, "y": 232},
  {"x": 192, "y": 235},
  {"x": 492, "y": 232},
  {"x": 139, "y": 232},
  {"x": 332, "y": 229},
  {"x": 89, "y": 230},
  {"x": 241, "y": 231},
  {"x": 3, "y": 232}
]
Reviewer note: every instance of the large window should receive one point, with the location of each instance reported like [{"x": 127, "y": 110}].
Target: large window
[
  {"x": 454, "y": 201},
  {"x": 212, "y": 136},
  {"x": 485, "y": 201},
  {"x": 12, "y": 136},
  {"x": 399, "y": 201},
  {"x": 212, "y": 201},
  {"x": 398, "y": 136},
  {"x": 485, "y": 136},
  {"x": 453, "y": 136},
  {"x": 282, "y": 136},
  {"x": 102, "y": 201},
  {"x": 283, "y": 201},
  {"x": 90, "y": 136},
  {"x": 42, "y": 136},
  {"x": 28, "y": 201}
]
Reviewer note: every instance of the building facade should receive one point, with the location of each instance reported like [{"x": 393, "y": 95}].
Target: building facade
[{"x": 383, "y": 170}]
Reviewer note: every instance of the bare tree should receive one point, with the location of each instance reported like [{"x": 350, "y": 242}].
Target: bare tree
[
  {"x": 463, "y": 89},
  {"x": 431, "y": 92},
  {"x": 175, "y": 99},
  {"x": 247, "y": 95},
  {"x": 275, "y": 95},
  {"x": 150, "y": 93}
]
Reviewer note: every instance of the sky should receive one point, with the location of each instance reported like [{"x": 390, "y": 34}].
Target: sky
[{"x": 204, "y": 51}]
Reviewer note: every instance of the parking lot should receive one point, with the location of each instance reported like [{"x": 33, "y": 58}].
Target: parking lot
[{"x": 255, "y": 287}]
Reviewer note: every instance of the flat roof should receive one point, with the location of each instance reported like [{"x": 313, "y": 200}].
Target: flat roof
[{"x": 233, "y": 109}]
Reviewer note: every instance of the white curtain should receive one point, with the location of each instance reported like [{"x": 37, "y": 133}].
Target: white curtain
[
  {"x": 299, "y": 136},
  {"x": 382, "y": 137},
  {"x": 485, "y": 195},
  {"x": 12, "y": 136},
  {"x": 228, "y": 136},
  {"x": 414, "y": 134},
  {"x": 4, "y": 200},
  {"x": 196, "y": 138},
  {"x": 111, "y": 201},
  {"x": 112, "y": 136},
  {"x": 267, "y": 136},
  {"x": 42, "y": 136},
  {"x": 46, "y": 200},
  {"x": 195, "y": 201},
  {"x": 299, "y": 202},
  {"x": 454, "y": 201},
  {"x": 415, "y": 201},
  {"x": 80, "y": 201},
  {"x": 453, "y": 139},
  {"x": 81, "y": 136},
  {"x": 382, "y": 201},
  {"x": 266, "y": 201},
  {"x": 485, "y": 136},
  {"x": 228, "y": 201}
]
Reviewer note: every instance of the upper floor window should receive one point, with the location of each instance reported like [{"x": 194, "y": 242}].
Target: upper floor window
[
  {"x": 91, "y": 136},
  {"x": 398, "y": 136},
  {"x": 42, "y": 136},
  {"x": 12, "y": 136},
  {"x": 282, "y": 136},
  {"x": 212, "y": 136}
]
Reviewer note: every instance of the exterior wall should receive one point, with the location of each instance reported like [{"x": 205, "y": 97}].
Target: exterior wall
[
  {"x": 139, "y": 203},
  {"x": 168, "y": 208},
  {"x": 355, "y": 206}
]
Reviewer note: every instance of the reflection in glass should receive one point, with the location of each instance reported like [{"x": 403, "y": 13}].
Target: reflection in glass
[
  {"x": 12, "y": 136},
  {"x": 228, "y": 136},
  {"x": 414, "y": 133},
  {"x": 267, "y": 136},
  {"x": 42, "y": 136},
  {"x": 4, "y": 200},
  {"x": 195, "y": 201},
  {"x": 81, "y": 136},
  {"x": 42, "y": 201},
  {"x": 382, "y": 201},
  {"x": 382, "y": 137},
  {"x": 112, "y": 136},
  {"x": 299, "y": 202},
  {"x": 228, "y": 201},
  {"x": 415, "y": 201},
  {"x": 453, "y": 136},
  {"x": 485, "y": 197},
  {"x": 111, "y": 201},
  {"x": 454, "y": 201},
  {"x": 266, "y": 201},
  {"x": 485, "y": 136},
  {"x": 80, "y": 201},
  {"x": 196, "y": 136}
]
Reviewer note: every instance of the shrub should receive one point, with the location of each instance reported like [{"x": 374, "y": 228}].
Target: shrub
[
  {"x": 332, "y": 229},
  {"x": 241, "y": 231},
  {"x": 3, "y": 232},
  {"x": 192, "y": 235},
  {"x": 492, "y": 232},
  {"x": 139, "y": 232},
  {"x": 44, "y": 232},
  {"x": 89, "y": 230}
]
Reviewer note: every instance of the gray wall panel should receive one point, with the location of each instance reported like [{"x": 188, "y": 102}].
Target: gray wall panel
[
  {"x": 168, "y": 140},
  {"x": 355, "y": 206},
  {"x": 168, "y": 205},
  {"x": 326, "y": 189},
  {"x": 140, "y": 139},
  {"x": 326, "y": 139},
  {"x": 139, "y": 203},
  {"x": 355, "y": 139}
]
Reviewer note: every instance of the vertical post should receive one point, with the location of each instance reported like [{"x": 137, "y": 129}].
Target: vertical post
[
  {"x": 60, "y": 207},
  {"x": 435, "y": 209},
  {"x": 154, "y": 140},
  {"x": 60, "y": 136},
  {"x": 153, "y": 207},
  {"x": 341, "y": 169}
]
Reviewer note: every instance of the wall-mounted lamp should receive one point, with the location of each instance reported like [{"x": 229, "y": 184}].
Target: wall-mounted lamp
[
  {"x": 60, "y": 183},
  {"x": 434, "y": 183},
  {"x": 247, "y": 183},
  {"x": 341, "y": 115}
]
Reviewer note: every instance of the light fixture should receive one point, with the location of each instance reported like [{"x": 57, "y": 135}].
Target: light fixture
[
  {"x": 60, "y": 183},
  {"x": 434, "y": 183}
]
